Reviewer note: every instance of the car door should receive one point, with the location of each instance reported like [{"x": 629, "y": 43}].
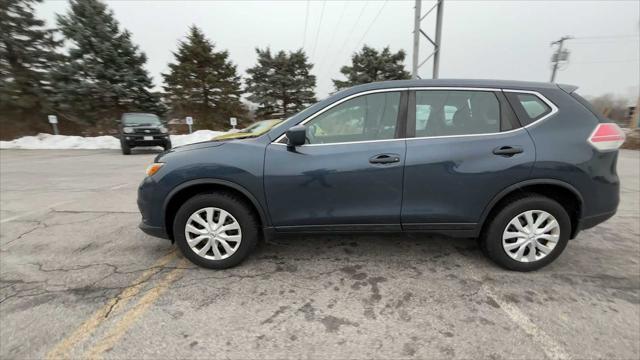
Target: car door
[
  {"x": 348, "y": 175},
  {"x": 465, "y": 146}
]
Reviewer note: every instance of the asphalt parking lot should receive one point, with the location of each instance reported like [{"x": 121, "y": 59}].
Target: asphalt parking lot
[{"x": 79, "y": 280}]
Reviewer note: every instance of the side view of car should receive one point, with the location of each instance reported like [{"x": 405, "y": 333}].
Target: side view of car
[
  {"x": 141, "y": 129},
  {"x": 522, "y": 166}
]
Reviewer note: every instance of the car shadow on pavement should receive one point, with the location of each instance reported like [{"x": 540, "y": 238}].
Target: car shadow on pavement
[{"x": 370, "y": 249}]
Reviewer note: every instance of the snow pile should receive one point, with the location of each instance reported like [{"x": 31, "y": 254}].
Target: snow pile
[
  {"x": 48, "y": 141},
  {"x": 197, "y": 136}
]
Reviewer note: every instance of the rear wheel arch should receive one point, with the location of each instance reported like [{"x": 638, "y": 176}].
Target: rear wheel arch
[
  {"x": 189, "y": 189},
  {"x": 564, "y": 193}
]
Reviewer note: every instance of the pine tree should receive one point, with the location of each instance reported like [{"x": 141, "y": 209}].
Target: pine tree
[
  {"x": 104, "y": 74},
  {"x": 203, "y": 83},
  {"x": 27, "y": 52},
  {"x": 369, "y": 65},
  {"x": 281, "y": 85}
]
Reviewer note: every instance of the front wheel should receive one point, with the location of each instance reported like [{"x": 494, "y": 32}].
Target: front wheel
[
  {"x": 167, "y": 145},
  {"x": 527, "y": 234},
  {"x": 126, "y": 150},
  {"x": 216, "y": 231}
]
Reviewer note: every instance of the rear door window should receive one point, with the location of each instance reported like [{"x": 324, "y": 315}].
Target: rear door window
[{"x": 456, "y": 112}]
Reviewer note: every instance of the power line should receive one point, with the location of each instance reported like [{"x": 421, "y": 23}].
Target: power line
[
  {"x": 371, "y": 24},
  {"x": 306, "y": 21},
  {"x": 315, "y": 45},
  {"x": 606, "y": 37},
  {"x": 368, "y": 27},
  {"x": 346, "y": 40},
  {"x": 618, "y": 41},
  {"x": 335, "y": 29},
  {"x": 561, "y": 56},
  {"x": 606, "y": 61}
]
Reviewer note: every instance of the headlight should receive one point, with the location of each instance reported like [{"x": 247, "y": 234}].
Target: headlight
[
  {"x": 127, "y": 130},
  {"x": 163, "y": 129},
  {"x": 153, "y": 168}
]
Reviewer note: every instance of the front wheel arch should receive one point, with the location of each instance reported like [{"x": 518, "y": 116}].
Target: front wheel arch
[{"x": 189, "y": 189}]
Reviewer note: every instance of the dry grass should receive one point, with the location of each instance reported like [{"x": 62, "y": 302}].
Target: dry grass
[{"x": 633, "y": 139}]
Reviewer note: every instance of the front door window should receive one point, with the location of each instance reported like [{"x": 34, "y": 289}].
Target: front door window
[{"x": 367, "y": 117}]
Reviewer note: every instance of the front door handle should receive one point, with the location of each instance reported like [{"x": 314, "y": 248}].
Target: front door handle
[
  {"x": 508, "y": 150},
  {"x": 385, "y": 159}
]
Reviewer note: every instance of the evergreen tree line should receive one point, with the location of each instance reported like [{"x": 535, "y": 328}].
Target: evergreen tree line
[{"x": 88, "y": 72}]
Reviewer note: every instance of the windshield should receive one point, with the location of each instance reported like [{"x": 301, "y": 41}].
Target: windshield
[
  {"x": 140, "y": 119},
  {"x": 260, "y": 127}
]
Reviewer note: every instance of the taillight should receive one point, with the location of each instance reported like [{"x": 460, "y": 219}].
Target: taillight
[{"x": 607, "y": 136}]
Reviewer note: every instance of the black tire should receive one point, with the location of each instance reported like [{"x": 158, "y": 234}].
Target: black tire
[
  {"x": 126, "y": 150},
  {"x": 233, "y": 205},
  {"x": 167, "y": 145},
  {"x": 491, "y": 240}
]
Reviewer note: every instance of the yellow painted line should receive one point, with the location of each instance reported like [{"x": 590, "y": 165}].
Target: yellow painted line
[
  {"x": 63, "y": 348},
  {"x": 129, "y": 318}
]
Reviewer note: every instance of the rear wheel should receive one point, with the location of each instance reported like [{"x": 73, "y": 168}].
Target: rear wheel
[
  {"x": 527, "y": 234},
  {"x": 216, "y": 231}
]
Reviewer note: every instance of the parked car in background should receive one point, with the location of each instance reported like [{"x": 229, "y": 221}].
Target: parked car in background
[
  {"x": 522, "y": 166},
  {"x": 255, "y": 129},
  {"x": 142, "y": 129}
]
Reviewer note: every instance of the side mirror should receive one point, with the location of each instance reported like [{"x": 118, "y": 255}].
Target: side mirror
[{"x": 297, "y": 135}]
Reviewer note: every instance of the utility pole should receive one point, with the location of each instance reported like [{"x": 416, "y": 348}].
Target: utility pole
[
  {"x": 417, "y": 19},
  {"x": 558, "y": 56},
  {"x": 416, "y": 39},
  {"x": 436, "y": 56}
]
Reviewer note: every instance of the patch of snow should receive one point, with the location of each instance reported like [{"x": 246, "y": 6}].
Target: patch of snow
[
  {"x": 48, "y": 141},
  {"x": 197, "y": 136}
]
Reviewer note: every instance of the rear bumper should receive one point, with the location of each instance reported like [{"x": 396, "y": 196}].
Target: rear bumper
[{"x": 591, "y": 221}]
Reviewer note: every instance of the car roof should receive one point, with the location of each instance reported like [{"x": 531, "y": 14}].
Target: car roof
[{"x": 477, "y": 83}]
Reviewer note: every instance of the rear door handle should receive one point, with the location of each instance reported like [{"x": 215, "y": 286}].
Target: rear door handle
[
  {"x": 385, "y": 159},
  {"x": 508, "y": 150}
]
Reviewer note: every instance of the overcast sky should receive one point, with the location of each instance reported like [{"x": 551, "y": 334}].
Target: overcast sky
[{"x": 481, "y": 39}]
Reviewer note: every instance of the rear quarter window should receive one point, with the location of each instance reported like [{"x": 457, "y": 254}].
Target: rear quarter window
[
  {"x": 533, "y": 106},
  {"x": 528, "y": 107}
]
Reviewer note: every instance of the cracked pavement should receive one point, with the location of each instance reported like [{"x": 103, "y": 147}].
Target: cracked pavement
[{"x": 79, "y": 280}]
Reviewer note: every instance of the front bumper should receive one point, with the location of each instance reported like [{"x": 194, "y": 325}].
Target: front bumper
[
  {"x": 153, "y": 230},
  {"x": 145, "y": 205},
  {"x": 139, "y": 140}
]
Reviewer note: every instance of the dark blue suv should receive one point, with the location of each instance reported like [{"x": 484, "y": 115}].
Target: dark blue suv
[{"x": 522, "y": 166}]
